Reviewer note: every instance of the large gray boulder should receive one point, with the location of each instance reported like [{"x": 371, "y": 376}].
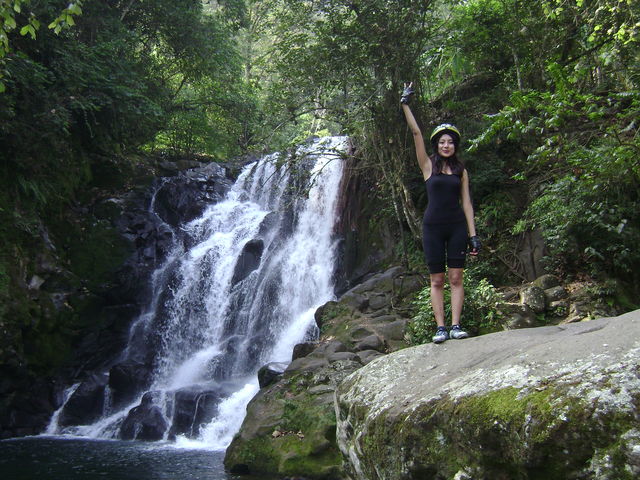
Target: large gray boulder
[{"x": 552, "y": 402}]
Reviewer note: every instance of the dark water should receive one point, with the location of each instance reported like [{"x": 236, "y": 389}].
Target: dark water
[{"x": 55, "y": 458}]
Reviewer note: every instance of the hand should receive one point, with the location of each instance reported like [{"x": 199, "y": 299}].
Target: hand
[
  {"x": 474, "y": 243},
  {"x": 406, "y": 93}
]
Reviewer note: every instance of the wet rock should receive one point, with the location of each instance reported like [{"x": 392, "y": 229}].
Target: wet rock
[
  {"x": 355, "y": 300},
  {"x": 394, "y": 330},
  {"x": 248, "y": 261},
  {"x": 86, "y": 405},
  {"x": 185, "y": 196},
  {"x": 193, "y": 408},
  {"x": 144, "y": 422},
  {"x": 327, "y": 348},
  {"x": 306, "y": 364},
  {"x": 378, "y": 301},
  {"x": 126, "y": 381},
  {"x": 270, "y": 373}
]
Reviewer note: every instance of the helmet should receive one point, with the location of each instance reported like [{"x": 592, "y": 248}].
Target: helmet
[{"x": 445, "y": 128}]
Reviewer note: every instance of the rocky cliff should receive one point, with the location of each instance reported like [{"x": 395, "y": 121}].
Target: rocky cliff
[{"x": 79, "y": 294}]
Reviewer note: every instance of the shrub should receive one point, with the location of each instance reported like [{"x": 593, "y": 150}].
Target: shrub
[{"x": 479, "y": 315}]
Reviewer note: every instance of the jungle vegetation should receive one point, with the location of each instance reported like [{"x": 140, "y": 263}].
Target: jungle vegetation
[{"x": 546, "y": 93}]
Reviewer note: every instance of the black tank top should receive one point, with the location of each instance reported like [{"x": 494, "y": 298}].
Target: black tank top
[{"x": 443, "y": 192}]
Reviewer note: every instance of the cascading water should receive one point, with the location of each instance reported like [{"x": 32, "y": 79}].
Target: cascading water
[{"x": 237, "y": 291}]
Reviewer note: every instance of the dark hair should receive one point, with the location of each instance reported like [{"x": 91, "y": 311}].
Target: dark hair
[{"x": 456, "y": 165}]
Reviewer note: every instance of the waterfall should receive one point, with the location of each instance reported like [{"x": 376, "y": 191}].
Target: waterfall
[{"x": 238, "y": 289}]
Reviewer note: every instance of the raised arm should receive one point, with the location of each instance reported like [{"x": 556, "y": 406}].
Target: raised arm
[{"x": 421, "y": 152}]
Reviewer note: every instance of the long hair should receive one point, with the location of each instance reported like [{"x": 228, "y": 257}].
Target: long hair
[
  {"x": 455, "y": 164},
  {"x": 438, "y": 162}
]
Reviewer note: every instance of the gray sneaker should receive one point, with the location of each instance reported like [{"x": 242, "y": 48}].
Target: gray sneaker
[
  {"x": 441, "y": 335},
  {"x": 457, "y": 333}
]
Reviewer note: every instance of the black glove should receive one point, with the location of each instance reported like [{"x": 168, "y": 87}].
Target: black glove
[
  {"x": 474, "y": 243},
  {"x": 406, "y": 94}
]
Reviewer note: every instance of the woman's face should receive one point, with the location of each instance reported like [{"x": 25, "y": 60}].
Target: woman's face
[{"x": 446, "y": 147}]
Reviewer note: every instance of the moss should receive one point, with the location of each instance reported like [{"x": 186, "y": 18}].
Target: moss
[
  {"x": 508, "y": 408},
  {"x": 530, "y": 434},
  {"x": 257, "y": 454},
  {"x": 95, "y": 250},
  {"x": 302, "y": 415},
  {"x": 314, "y": 455},
  {"x": 286, "y": 455}
]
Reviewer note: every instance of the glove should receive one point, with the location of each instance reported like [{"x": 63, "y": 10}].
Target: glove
[
  {"x": 406, "y": 94},
  {"x": 474, "y": 243}
]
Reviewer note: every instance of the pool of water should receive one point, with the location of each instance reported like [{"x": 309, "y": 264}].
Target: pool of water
[{"x": 62, "y": 458}]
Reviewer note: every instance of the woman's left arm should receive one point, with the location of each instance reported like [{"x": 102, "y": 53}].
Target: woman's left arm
[{"x": 467, "y": 207}]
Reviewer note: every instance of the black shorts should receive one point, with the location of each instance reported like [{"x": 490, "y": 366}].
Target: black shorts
[{"x": 444, "y": 244}]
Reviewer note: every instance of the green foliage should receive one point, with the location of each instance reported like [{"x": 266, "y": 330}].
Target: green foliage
[
  {"x": 582, "y": 165},
  {"x": 480, "y": 313}
]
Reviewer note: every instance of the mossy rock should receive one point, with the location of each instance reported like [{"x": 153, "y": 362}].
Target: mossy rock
[
  {"x": 549, "y": 402},
  {"x": 288, "y": 434}
]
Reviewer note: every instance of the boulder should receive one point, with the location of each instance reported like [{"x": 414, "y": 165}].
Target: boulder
[
  {"x": 371, "y": 342},
  {"x": 533, "y": 297},
  {"x": 248, "y": 260},
  {"x": 549, "y": 402},
  {"x": 516, "y": 315},
  {"x": 546, "y": 281},
  {"x": 554, "y": 294},
  {"x": 193, "y": 407},
  {"x": 144, "y": 422}
]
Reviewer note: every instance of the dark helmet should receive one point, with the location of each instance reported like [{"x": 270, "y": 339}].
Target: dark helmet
[{"x": 445, "y": 128}]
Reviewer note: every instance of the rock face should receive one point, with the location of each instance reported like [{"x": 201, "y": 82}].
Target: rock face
[
  {"x": 112, "y": 246},
  {"x": 551, "y": 402}
]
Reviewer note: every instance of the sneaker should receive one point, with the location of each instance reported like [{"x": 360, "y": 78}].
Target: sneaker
[
  {"x": 441, "y": 335},
  {"x": 457, "y": 333}
]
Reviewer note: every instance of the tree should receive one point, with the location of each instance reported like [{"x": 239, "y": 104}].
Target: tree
[{"x": 9, "y": 9}]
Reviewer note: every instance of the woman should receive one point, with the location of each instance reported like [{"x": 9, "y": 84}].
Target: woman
[{"x": 448, "y": 220}]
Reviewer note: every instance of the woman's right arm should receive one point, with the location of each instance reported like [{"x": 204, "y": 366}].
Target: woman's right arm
[{"x": 421, "y": 152}]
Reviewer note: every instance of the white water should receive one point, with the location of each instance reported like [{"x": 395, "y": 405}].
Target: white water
[{"x": 211, "y": 335}]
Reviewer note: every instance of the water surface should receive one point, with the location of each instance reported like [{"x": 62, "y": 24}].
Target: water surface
[{"x": 58, "y": 458}]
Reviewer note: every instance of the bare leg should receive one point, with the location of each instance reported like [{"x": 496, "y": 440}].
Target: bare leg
[
  {"x": 437, "y": 297},
  {"x": 457, "y": 294}
]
